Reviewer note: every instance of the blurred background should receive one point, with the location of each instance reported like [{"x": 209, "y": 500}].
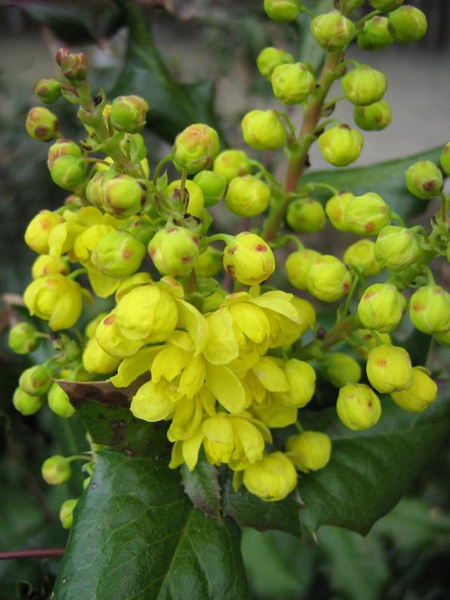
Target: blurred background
[{"x": 195, "y": 60}]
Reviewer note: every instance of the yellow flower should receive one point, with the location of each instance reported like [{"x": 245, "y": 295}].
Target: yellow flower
[
  {"x": 309, "y": 451},
  {"x": 39, "y": 229},
  {"x": 358, "y": 407},
  {"x": 272, "y": 478},
  {"x": 421, "y": 393},
  {"x": 46, "y": 265},
  {"x": 96, "y": 360},
  {"x": 55, "y": 299}
]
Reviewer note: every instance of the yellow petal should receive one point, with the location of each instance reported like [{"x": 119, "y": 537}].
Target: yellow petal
[
  {"x": 270, "y": 375},
  {"x": 193, "y": 377},
  {"x": 195, "y": 323},
  {"x": 102, "y": 285},
  {"x": 222, "y": 346},
  {"x": 250, "y": 438},
  {"x": 151, "y": 403},
  {"x": 186, "y": 420},
  {"x": 191, "y": 448},
  {"x": 226, "y": 387},
  {"x": 279, "y": 302},
  {"x": 131, "y": 368},
  {"x": 251, "y": 320},
  {"x": 169, "y": 363}
]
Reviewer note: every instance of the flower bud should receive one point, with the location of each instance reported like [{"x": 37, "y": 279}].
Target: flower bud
[
  {"x": 309, "y": 451},
  {"x": 375, "y": 34},
  {"x": 55, "y": 299},
  {"x": 328, "y": 279},
  {"x": 389, "y": 368},
  {"x": 248, "y": 259},
  {"x": 123, "y": 196},
  {"x": 118, "y": 254},
  {"x": 443, "y": 338},
  {"x": 74, "y": 66},
  {"x": 26, "y": 404},
  {"x": 306, "y": 215},
  {"x": 358, "y": 407},
  {"x": 445, "y": 159},
  {"x": 335, "y": 210},
  {"x": 397, "y": 247},
  {"x": 174, "y": 250},
  {"x": 367, "y": 214},
  {"x": 298, "y": 265},
  {"x": 231, "y": 163},
  {"x": 48, "y": 90},
  {"x": 59, "y": 402},
  {"x": 39, "y": 229},
  {"x": 364, "y": 86},
  {"x": 41, "y": 124},
  {"x": 193, "y": 196},
  {"x": 66, "y": 512},
  {"x": 62, "y": 147},
  {"x": 370, "y": 341},
  {"x": 340, "y": 145},
  {"x": 429, "y": 309},
  {"x": 141, "y": 229},
  {"x": 263, "y": 130},
  {"x": 94, "y": 188},
  {"x": 68, "y": 172},
  {"x": 247, "y": 196},
  {"x": 56, "y": 470},
  {"x": 361, "y": 257},
  {"x": 270, "y": 58},
  {"x": 209, "y": 263},
  {"x": 385, "y": 5},
  {"x": 407, "y": 24},
  {"x": 302, "y": 383},
  {"x": 195, "y": 148},
  {"x": 421, "y": 393},
  {"x": 23, "y": 338},
  {"x": 128, "y": 113},
  {"x": 333, "y": 31},
  {"x": 374, "y": 117},
  {"x": 292, "y": 84},
  {"x": 341, "y": 369},
  {"x": 424, "y": 179},
  {"x": 272, "y": 478},
  {"x": 35, "y": 381},
  {"x": 381, "y": 307},
  {"x": 212, "y": 185},
  {"x": 96, "y": 360},
  {"x": 282, "y": 11}
]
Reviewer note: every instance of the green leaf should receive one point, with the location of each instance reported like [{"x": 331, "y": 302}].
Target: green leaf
[
  {"x": 202, "y": 487},
  {"x": 136, "y": 536},
  {"x": 249, "y": 511},
  {"x": 386, "y": 179},
  {"x": 173, "y": 106},
  {"x": 370, "y": 470}
]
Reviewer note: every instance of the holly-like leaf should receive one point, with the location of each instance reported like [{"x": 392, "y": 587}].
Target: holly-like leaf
[
  {"x": 370, "y": 470},
  {"x": 136, "y": 536},
  {"x": 386, "y": 179},
  {"x": 202, "y": 486}
]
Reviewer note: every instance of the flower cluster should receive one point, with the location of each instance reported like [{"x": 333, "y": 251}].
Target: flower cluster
[{"x": 212, "y": 349}]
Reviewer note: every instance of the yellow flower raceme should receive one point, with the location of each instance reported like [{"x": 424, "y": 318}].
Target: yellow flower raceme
[{"x": 55, "y": 299}]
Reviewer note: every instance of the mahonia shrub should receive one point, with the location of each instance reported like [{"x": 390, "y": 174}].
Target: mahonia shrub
[{"x": 196, "y": 327}]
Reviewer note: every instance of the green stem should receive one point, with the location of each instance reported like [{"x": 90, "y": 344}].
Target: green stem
[
  {"x": 444, "y": 200},
  {"x": 264, "y": 171},
  {"x": 333, "y": 101},
  {"x": 323, "y": 186},
  {"x": 299, "y": 428},
  {"x": 219, "y": 237},
  {"x": 159, "y": 166},
  {"x": 289, "y": 123},
  {"x": 183, "y": 184},
  {"x": 72, "y": 276},
  {"x": 396, "y": 217},
  {"x": 372, "y": 14},
  {"x": 350, "y": 295},
  {"x": 377, "y": 337}
]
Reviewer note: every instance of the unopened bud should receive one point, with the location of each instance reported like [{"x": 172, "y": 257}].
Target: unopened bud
[
  {"x": 381, "y": 307},
  {"x": 209, "y": 263},
  {"x": 39, "y": 229},
  {"x": 292, "y": 84},
  {"x": 424, "y": 180},
  {"x": 74, "y": 66},
  {"x": 421, "y": 393},
  {"x": 385, "y": 5},
  {"x": 306, "y": 215},
  {"x": 128, "y": 113},
  {"x": 328, "y": 279},
  {"x": 263, "y": 130},
  {"x": 309, "y": 451},
  {"x": 142, "y": 230},
  {"x": 272, "y": 478},
  {"x": 68, "y": 172},
  {"x": 62, "y": 147},
  {"x": 248, "y": 259},
  {"x": 48, "y": 90},
  {"x": 333, "y": 31},
  {"x": 123, "y": 196},
  {"x": 367, "y": 214},
  {"x": 282, "y": 11},
  {"x": 212, "y": 185},
  {"x": 407, "y": 24},
  {"x": 35, "y": 381},
  {"x": 247, "y": 196},
  {"x": 397, "y": 247},
  {"x": 23, "y": 339},
  {"x": 445, "y": 159},
  {"x": 270, "y": 58},
  {"x": 298, "y": 265},
  {"x": 364, "y": 86},
  {"x": 375, "y": 34},
  {"x": 195, "y": 148},
  {"x": 41, "y": 124},
  {"x": 66, "y": 512},
  {"x": 174, "y": 250},
  {"x": 96, "y": 360},
  {"x": 369, "y": 341},
  {"x": 335, "y": 209},
  {"x": 56, "y": 470},
  {"x": 358, "y": 407},
  {"x": 26, "y": 404},
  {"x": 193, "y": 201},
  {"x": 61, "y": 53},
  {"x": 59, "y": 402},
  {"x": 232, "y": 163},
  {"x": 389, "y": 368},
  {"x": 374, "y": 117},
  {"x": 340, "y": 145},
  {"x": 118, "y": 254},
  {"x": 429, "y": 309},
  {"x": 341, "y": 369},
  {"x": 361, "y": 256}
]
